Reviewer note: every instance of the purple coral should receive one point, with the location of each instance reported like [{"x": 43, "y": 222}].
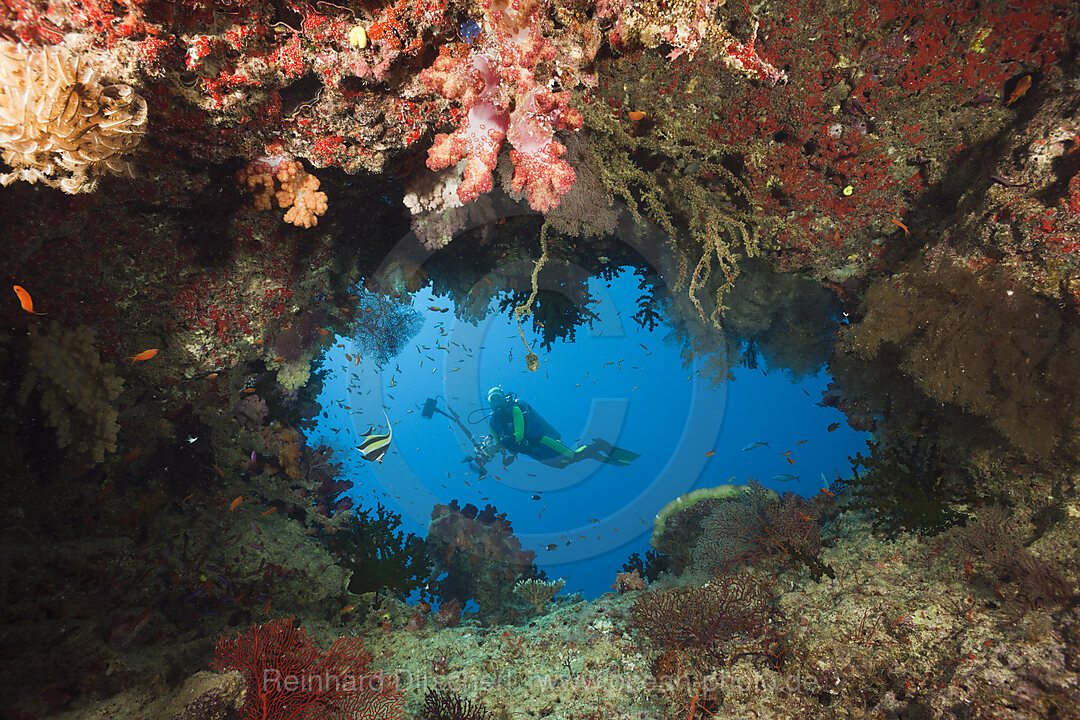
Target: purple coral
[
  {"x": 324, "y": 475},
  {"x": 251, "y": 411},
  {"x": 758, "y": 526},
  {"x": 726, "y": 619}
]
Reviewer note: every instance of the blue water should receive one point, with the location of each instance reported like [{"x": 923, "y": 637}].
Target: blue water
[{"x": 617, "y": 381}]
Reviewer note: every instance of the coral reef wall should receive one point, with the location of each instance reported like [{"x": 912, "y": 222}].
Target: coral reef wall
[{"x": 238, "y": 173}]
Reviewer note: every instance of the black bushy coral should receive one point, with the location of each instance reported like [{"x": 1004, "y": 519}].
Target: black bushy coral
[
  {"x": 905, "y": 487},
  {"x": 556, "y": 316},
  {"x": 444, "y": 704},
  {"x": 380, "y": 555},
  {"x": 650, "y": 567}
]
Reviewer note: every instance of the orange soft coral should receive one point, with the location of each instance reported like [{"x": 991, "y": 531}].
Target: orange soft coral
[
  {"x": 288, "y": 184},
  {"x": 299, "y": 189}
]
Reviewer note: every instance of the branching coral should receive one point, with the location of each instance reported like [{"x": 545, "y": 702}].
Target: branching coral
[
  {"x": 782, "y": 321},
  {"x": 679, "y": 203},
  {"x": 288, "y": 676},
  {"x": 538, "y": 592},
  {"x": 59, "y": 124},
  {"x": 77, "y": 389}
]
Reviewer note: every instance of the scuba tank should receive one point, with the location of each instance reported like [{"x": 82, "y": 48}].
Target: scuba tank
[{"x": 533, "y": 420}]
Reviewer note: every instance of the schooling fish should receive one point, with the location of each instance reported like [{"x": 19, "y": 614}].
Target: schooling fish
[
  {"x": 375, "y": 445},
  {"x": 755, "y": 445}
]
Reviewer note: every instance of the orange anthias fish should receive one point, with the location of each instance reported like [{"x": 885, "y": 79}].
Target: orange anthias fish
[
  {"x": 144, "y": 355},
  {"x": 1022, "y": 86},
  {"x": 636, "y": 115},
  {"x": 236, "y": 503},
  {"x": 25, "y": 300}
]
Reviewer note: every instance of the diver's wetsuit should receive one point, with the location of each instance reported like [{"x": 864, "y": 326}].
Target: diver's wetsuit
[{"x": 520, "y": 429}]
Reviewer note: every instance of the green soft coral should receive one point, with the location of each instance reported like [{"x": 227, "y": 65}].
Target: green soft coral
[{"x": 76, "y": 389}]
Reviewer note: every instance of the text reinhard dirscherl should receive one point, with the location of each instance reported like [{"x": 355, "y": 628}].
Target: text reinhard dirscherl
[{"x": 608, "y": 683}]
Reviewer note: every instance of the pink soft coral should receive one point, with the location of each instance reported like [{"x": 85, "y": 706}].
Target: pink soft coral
[{"x": 498, "y": 74}]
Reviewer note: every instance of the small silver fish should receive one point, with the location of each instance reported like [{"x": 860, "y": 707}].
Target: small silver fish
[
  {"x": 755, "y": 445},
  {"x": 784, "y": 478}
]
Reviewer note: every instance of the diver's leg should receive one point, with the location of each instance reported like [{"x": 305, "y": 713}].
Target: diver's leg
[
  {"x": 598, "y": 449},
  {"x": 561, "y": 455}
]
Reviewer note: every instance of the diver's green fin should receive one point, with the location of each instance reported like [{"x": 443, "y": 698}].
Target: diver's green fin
[
  {"x": 615, "y": 456},
  {"x": 623, "y": 456}
]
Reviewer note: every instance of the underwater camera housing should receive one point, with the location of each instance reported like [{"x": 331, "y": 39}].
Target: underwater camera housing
[{"x": 484, "y": 447}]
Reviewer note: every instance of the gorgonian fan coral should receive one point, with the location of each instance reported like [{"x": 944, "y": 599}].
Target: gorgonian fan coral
[{"x": 290, "y": 678}]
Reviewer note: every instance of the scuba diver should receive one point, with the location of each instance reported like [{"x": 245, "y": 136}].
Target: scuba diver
[{"x": 518, "y": 428}]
